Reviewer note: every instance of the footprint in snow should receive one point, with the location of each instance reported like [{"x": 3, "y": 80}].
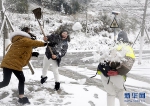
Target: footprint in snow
[
  {"x": 3, "y": 95},
  {"x": 68, "y": 103},
  {"x": 85, "y": 89},
  {"x": 95, "y": 95},
  {"x": 91, "y": 103}
]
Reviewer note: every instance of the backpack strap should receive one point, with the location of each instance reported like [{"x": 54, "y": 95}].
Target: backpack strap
[
  {"x": 108, "y": 80},
  {"x": 94, "y": 75},
  {"x": 124, "y": 87},
  {"x": 8, "y": 47}
]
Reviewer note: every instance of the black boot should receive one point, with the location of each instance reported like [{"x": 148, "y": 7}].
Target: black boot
[
  {"x": 43, "y": 79},
  {"x": 24, "y": 100},
  {"x": 57, "y": 86}
]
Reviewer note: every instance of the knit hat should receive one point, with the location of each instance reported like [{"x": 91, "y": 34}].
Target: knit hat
[{"x": 122, "y": 36}]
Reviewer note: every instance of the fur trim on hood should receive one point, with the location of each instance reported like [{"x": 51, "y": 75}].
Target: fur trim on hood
[{"x": 21, "y": 33}]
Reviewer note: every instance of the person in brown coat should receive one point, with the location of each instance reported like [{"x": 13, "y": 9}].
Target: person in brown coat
[{"x": 16, "y": 58}]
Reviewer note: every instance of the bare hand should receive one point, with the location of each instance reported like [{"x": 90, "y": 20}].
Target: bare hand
[
  {"x": 54, "y": 56},
  {"x": 45, "y": 39}
]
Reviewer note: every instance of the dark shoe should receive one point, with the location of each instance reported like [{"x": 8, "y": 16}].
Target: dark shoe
[
  {"x": 57, "y": 86},
  {"x": 43, "y": 79},
  {"x": 24, "y": 100}
]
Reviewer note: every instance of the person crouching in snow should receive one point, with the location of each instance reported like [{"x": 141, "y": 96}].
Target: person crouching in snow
[
  {"x": 113, "y": 74},
  {"x": 59, "y": 50},
  {"x": 16, "y": 58}
]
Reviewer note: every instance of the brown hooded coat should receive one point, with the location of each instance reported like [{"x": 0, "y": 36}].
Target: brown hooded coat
[{"x": 20, "y": 52}]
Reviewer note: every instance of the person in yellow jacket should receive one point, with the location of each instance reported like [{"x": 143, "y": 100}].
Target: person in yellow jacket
[
  {"x": 113, "y": 78},
  {"x": 16, "y": 58}
]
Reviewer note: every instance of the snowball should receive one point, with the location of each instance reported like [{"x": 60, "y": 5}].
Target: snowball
[{"x": 77, "y": 26}]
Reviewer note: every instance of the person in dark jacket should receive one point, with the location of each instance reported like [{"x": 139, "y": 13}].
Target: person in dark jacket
[
  {"x": 16, "y": 58},
  {"x": 59, "y": 50}
]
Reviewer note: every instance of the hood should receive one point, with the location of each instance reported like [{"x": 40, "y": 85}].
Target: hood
[
  {"x": 16, "y": 38},
  {"x": 122, "y": 36},
  {"x": 20, "y": 33}
]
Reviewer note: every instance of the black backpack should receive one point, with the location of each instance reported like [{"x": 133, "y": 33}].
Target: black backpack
[{"x": 107, "y": 66}]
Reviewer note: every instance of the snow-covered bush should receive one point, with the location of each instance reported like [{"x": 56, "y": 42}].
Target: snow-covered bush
[
  {"x": 18, "y": 6},
  {"x": 106, "y": 20},
  {"x": 129, "y": 24}
]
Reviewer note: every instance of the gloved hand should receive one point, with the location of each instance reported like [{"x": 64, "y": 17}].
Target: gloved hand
[
  {"x": 57, "y": 86},
  {"x": 33, "y": 37},
  {"x": 51, "y": 44},
  {"x": 35, "y": 54}
]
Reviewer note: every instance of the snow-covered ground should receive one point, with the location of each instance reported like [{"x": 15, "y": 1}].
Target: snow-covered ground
[{"x": 74, "y": 92}]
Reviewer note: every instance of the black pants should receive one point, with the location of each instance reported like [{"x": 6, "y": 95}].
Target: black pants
[{"x": 7, "y": 76}]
